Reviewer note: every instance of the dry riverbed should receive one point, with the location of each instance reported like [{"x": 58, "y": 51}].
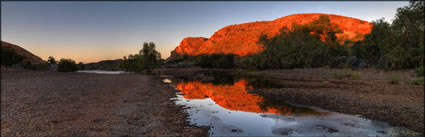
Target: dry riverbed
[{"x": 45, "y": 103}]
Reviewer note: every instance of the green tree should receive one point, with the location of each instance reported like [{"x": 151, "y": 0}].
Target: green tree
[
  {"x": 151, "y": 57},
  {"x": 147, "y": 59},
  {"x": 67, "y": 65},
  {"x": 409, "y": 26},
  {"x": 399, "y": 45},
  {"x": 322, "y": 29},
  {"x": 377, "y": 42},
  {"x": 51, "y": 60}
]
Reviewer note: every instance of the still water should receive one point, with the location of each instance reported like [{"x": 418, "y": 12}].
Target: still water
[
  {"x": 227, "y": 106},
  {"x": 102, "y": 72}
]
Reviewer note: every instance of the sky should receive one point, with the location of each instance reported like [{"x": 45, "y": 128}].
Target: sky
[{"x": 100, "y": 30}]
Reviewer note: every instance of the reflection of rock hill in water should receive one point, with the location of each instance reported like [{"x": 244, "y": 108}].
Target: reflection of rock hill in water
[
  {"x": 242, "y": 39},
  {"x": 236, "y": 97}
]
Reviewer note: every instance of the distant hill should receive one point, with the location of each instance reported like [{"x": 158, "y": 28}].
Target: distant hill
[
  {"x": 242, "y": 39},
  {"x": 104, "y": 65},
  {"x": 29, "y": 57}
]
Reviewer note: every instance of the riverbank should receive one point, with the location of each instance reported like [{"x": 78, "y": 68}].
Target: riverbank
[
  {"x": 48, "y": 103},
  {"x": 366, "y": 92}
]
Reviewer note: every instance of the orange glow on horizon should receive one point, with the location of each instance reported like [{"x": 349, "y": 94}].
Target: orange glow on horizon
[{"x": 84, "y": 55}]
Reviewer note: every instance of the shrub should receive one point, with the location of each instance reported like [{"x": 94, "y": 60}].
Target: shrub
[
  {"x": 10, "y": 57},
  {"x": 67, "y": 65},
  {"x": 346, "y": 75},
  {"x": 418, "y": 81},
  {"x": 420, "y": 71},
  {"x": 395, "y": 80}
]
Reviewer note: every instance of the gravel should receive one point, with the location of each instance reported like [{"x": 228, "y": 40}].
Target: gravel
[
  {"x": 47, "y": 103},
  {"x": 370, "y": 96}
]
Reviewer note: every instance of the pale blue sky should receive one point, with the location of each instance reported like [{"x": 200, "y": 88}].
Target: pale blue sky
[{"x": 93, "y": 31}]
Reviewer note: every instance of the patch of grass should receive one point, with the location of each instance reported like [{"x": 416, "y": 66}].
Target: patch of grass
[
  {"x": 395, "y": 80},
  {"x": 418, "y": 81},
  {"x": 346, "y": 75},
  {"x": 326, "y": 66},
  {"x": 420, "y": 71}
]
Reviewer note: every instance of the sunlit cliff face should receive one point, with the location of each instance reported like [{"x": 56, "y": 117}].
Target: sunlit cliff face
[
  {"x": 236, "y": 97},
  {"x": 242, "y": 39}
]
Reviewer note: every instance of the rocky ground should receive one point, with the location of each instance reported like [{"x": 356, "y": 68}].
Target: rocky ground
[{"x": 37, "y": 103}]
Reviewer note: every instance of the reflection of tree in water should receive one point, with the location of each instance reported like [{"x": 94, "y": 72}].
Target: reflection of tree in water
[{"x": 235, "y": 96}]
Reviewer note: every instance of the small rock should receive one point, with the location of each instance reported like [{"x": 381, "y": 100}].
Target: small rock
[
  {"x": 236, "y": 130},
  {"x": 382, "y": 132}
]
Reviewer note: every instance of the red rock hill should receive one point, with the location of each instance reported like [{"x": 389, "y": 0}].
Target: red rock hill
[{"x": 242, "y": 39}]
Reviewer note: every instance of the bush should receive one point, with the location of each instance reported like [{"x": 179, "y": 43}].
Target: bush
[
  {"x": 418, "y": 81},
  {"x": 67, "y": 65},
  {"x": 10, "y": 57},
  {"x": 420, "y": 71},
  {"x": 216, "y": 61},
  {"x": 132, "y": 63},
  {"x": 346, "y": 75},
  {"x": 395, "y": 80}
]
